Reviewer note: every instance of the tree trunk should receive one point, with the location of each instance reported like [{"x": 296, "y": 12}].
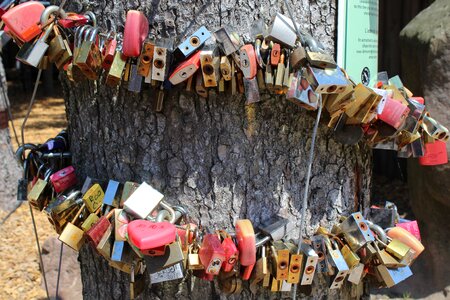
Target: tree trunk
[
  {"x": 9, "y": 169},
  {"x": 221, "y": 159}
]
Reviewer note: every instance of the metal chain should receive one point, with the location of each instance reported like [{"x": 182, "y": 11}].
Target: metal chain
[{"x": 306, "y": 191}]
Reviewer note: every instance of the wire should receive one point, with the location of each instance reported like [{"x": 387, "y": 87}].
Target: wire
[
  {"x": 33, "y": 98},
  {"x": 8, "y": 108},
  {"x": 39, "y": 249},
  {"x": 306, "y": 192},
  {"x": 59, "y": 269}
]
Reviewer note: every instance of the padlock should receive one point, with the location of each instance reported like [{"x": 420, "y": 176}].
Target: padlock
[
  {"x": 199, "y": 85},
  {"x": 62, "y": 209},
  {"x": 326, "y": 81},
  {"x": 109, "y": 51},
  {"x": 260, "y": 271},
  {"x": 89, "y": 57},
  {"x": 251, "y": 91},
  {"x": 344, "y": 133},
  {"x": 168, "y": 274},
  {"x": 63, "y": 179},
  {"x": 111, "y": 198},
  {"x": 33, "y": 53},
  {"x": 210, "y": 67},
  {"x": 38, "y": 197},
  {"x": 212, "y": 254},
  {"x": 356, "y": 274},
  {"x": 135, "y": 32},
  {"x": 56, "y": 46},
  {"x": 104, "y": 245},
  {"x": 368, "y": 252},
  {"x": 22, "y": 20},
  {"x": 261, "y": 56},
  {"x": 275, "y": 285},
  {"x": 275, "y": 228},
  {"x": 394, "y": 113},
  {"x": 320, "y": 60},
  {"x": 392, "y": 277},
  {"x": 138, "y": 282},
  {"x": 90, "y": 220},
  {"x": 135, "y": 80},
  {"x": 384, "y": 258},
  {"x": 323, "y": 263},
  {"x": 186, "y": 69},
  {"x": 298, "y": 58},
  {"x": 128, "y": 189},
  {"x": 121, "y": 221},
  {"x": 281, "y": 68},
  {"x": 114, "y": 76},
  {"x": 193, "y": 261},
  {"x": 146, "y": 59},
  {"x": 301, "y": 93},
  {"x": 245, "y": 236},
  {"x": 231, "y": 252},
  {"x": 407, "y": 238},
  {"x": 435, "y": 154},
  {"x": 418, "y": 148},
  {"x": 351, "y": 258},
  {"x": 149, "y": 237},
  {"x": 192, "y": 43},
  {"x": 268, "y": 76},
  {"x": 73, "y": 236},
  {"x": 229, "y": 42},
  {"x": 338, "y": 261},
  {"x": 97, "y": 230},
  {"x": 93, "y": 198},
  {"x": 122, "y": 252},
  {"x": 230, "y": 284},
  {"x": 295, "y": 263},
  {"x": 434, "y": 129},
  {"x": 275, "y": 55},
  {"x": 282, "y": 31},
  {"x": 173, "y": 255},
  {"x": 143, "y": 201},
  {"x": 225, "y": 68},
  {"x": 336, "y": 104},
  {"x": 248, "y": 61},
  {"x": 73, "y": 20},
  {"x": 240, "y": 82},
  {"x": 310, "y": 265},
  {"x": 356, "y": 231},
  {"x": 399, "y": 250},
  {"x": 410, "y": 226},
  {"x": 161, "y": 60}
]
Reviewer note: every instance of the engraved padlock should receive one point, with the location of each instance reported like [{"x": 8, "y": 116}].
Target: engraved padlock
[{"x": 149, "y": 237}]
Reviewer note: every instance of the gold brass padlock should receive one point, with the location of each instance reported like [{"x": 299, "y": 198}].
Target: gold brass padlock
[
  {"x": 146, "y": 59},
  {"x": 193, "y": 261},
  {"x": 73, "y": 236},
  {"x": 93, "y": 198},
  {"x": 90, "y": 220}
]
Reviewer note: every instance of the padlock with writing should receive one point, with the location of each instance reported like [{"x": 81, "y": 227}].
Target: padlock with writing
[
  {"x": 231, "y": 252},
  {"x": 168, "y": 274},
  {"x": 93, "y": 198}
]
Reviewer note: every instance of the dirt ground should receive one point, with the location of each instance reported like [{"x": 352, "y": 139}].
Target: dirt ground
[{"x": 19, "y": 264}]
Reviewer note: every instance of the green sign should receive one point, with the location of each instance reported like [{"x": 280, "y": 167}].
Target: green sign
[{"x": 358, "y": 39}]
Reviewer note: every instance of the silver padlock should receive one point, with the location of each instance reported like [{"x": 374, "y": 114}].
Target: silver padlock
[
  {"x": 168, "y": 274},
  {"x": 356, "y": 231},
  {"x": 338, "y": 261},
  {"x": 282, "y": 31},
  {"x": 310, "y": 265},
  {"x": 143, "y": 201}
]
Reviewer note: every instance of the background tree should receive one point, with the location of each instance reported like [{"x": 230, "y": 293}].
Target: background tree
[{"x": 222, "y": 160}]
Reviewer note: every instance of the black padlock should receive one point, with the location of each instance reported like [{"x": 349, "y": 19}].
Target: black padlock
[{"x": 22, "y": 185}]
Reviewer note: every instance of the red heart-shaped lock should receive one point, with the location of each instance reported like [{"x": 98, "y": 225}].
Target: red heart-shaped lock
[{"x": 149, "y": 235}]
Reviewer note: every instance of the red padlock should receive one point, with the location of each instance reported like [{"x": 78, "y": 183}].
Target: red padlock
[
  {"x": 63, "y": 179},
  {"x": 23, "y": 20},
  {"x": 412, "y": 227},
  {"x": 248, "y": 61},
  {"x": 186, "y": 69},
  {"x": 435, "y": 154},
  {"x": 394, "y": 113},
  {"x": 73, "y": 20},
  {"x": 275, "y": 55},
  {"x": 245, "y": 236},
  {"x": 212, "y": 254},
  {"x": 136, "y": 31},
  {"x": 108, "y": 52},
  {"x": 231, "y": 254},
  {"x": 151, "y": 238},
  {"x": 97, "y": 231}
]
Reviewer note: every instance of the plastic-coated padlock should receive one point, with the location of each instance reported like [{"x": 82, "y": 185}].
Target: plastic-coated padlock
[
  {"x": 186, "y": 69},
  {"x": 231, "y": 254},
  {"x": 22, "y": 20},
  {"x": 109, "y": 51},
  {"x": 408, "y": 239},
  {"x": 245, "y": 236},
  {"x": 136, "y": 30},
  {"x": 63, "y": 179},
  {"x": 435, "y": 154},
  {"x": 212, "y": 254},
  {"x": 412, "y": 227},
  {"x": 394, "y": 113},
  {"x": 73, "y": 20},
  {"x": 248, "y": 61},
  {"x": 146, "y": 235}
]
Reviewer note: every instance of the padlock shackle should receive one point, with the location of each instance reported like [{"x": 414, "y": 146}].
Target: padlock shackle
[
  {"x": 78, "y": 213},
  {"x": 92, "y": 17},
  {"x": 45, "y": 16},
  {"x": 170, "y": 210},
  {"x": 21, "y": 150},
  {"x": 93, "y": 34},
  {"x": 378, "y": 230}
]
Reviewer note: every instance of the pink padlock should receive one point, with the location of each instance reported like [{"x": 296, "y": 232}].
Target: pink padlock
[
  {"x": 151, "y": 237},
  {"x": 64, "y": 179},
  {"x": 435, "y": 154},
  {"x": 136, "y": 31},
  {"x": 23, "y": 20},
  {"x": 394, "y": 113},
  {"x": 412, "y": 227}
]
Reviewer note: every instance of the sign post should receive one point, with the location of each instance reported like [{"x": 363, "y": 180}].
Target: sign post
[{"x": 357, "y": 50}]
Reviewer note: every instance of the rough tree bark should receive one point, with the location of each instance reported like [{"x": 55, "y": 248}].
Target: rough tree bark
[{"x": 220, "y": 159}]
